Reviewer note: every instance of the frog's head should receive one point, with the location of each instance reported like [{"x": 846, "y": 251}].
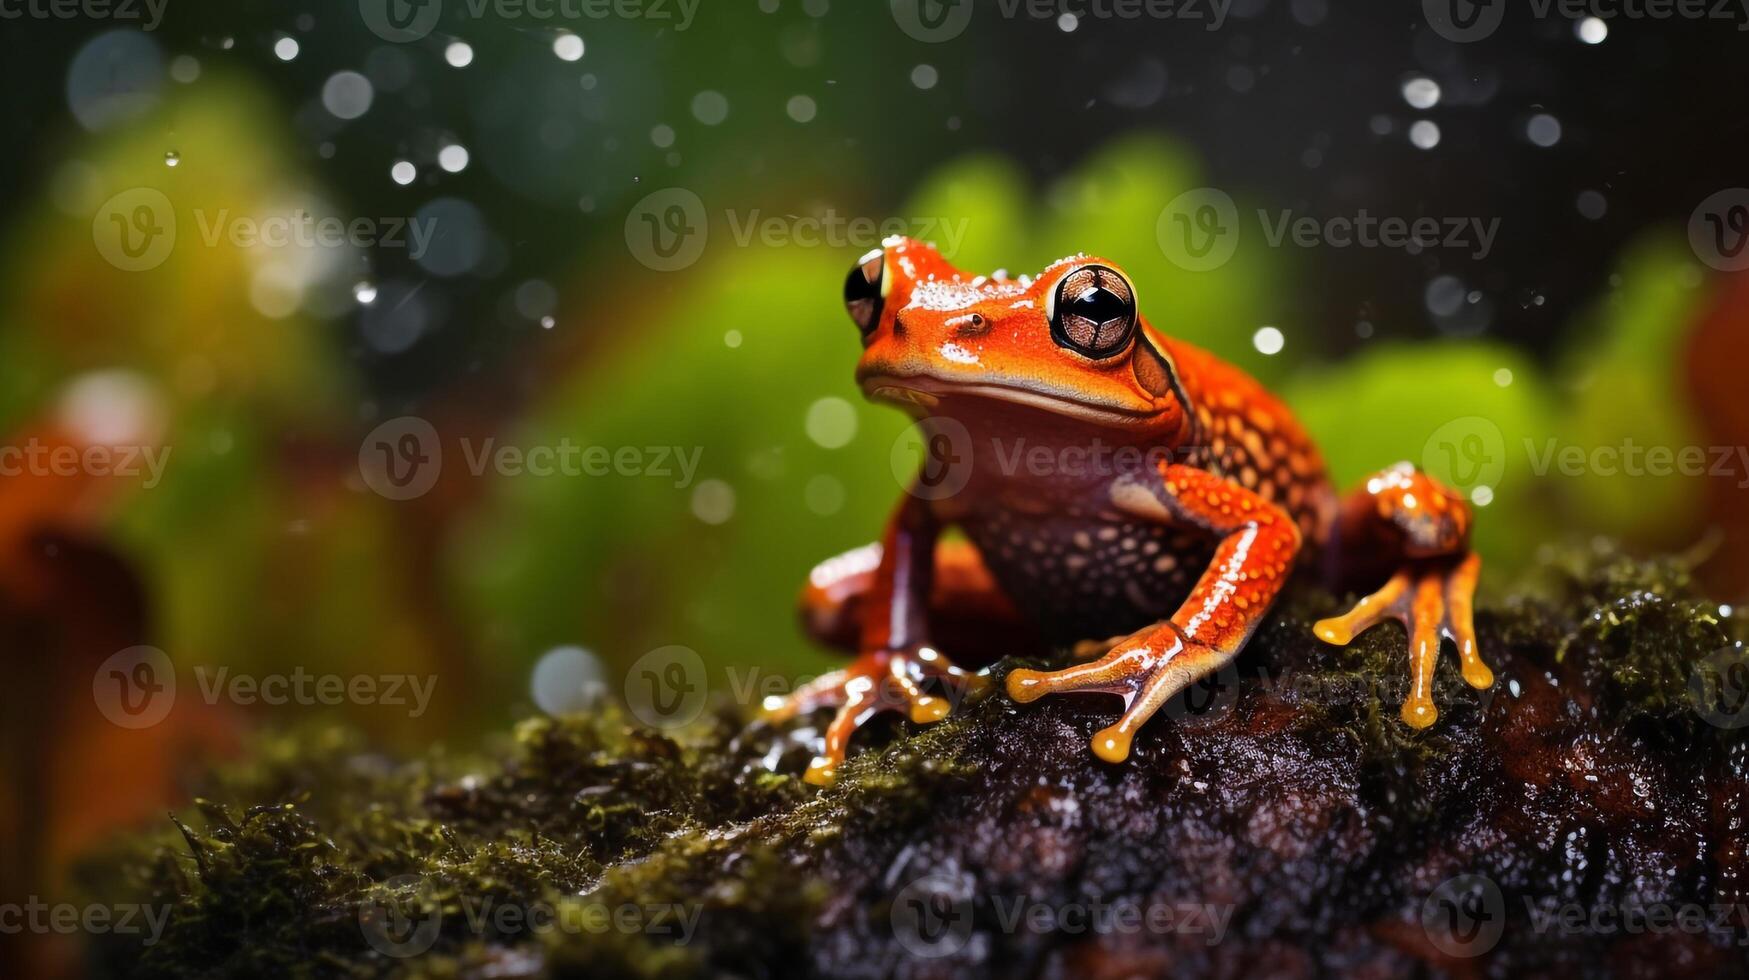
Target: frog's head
[{"x": 1069, "y": 342}]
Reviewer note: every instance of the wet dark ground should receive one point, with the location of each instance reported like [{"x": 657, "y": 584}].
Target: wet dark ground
[{"x": 1584, "y": 818}]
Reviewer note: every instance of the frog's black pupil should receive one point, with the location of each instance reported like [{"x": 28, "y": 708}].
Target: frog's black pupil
[
  {"x": 1095, "y": 314},
  {"x": 1099, "y": 305}
]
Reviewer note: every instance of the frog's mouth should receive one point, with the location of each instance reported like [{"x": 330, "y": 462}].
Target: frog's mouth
[{"x": 926, "y": 393}]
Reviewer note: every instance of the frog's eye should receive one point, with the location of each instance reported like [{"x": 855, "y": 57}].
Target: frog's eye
[
  {"x": 1093, "y": 312},
  {"x": 865, "y": 290}
]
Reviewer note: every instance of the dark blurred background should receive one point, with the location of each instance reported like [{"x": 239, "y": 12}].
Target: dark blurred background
[{"x": 298, "y": 394}]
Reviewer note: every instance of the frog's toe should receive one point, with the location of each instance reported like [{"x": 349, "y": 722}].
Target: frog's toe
[
  {"x": 1432, "y": 600},
  {"x": 878, "y": 681}
]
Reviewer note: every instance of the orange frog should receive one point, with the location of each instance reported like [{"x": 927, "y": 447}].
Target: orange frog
[{"x": 1107, "y": 479}]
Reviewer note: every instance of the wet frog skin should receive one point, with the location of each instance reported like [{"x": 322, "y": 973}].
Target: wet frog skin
[{"x": 1108, "y": 480}]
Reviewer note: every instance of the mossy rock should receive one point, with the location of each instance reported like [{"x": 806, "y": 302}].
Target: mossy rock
[{"x": 1283, "y": 821}]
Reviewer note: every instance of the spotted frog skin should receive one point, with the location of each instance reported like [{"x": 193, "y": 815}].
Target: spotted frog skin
[{"x": 1108, "y": 480}]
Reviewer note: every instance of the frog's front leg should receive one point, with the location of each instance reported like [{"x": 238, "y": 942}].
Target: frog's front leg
[
  {"x": 1259, "y": 543},
  {"x": 1419, "y": 530},
  {"x": 896, "y": 661}
]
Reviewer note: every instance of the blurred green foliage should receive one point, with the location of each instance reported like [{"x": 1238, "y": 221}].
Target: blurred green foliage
[{"x": 257, "y": 555}]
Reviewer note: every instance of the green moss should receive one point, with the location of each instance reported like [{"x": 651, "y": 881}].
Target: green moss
[{"x": 583, "y": 845}]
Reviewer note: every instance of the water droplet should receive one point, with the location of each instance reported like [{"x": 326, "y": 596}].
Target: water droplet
[
  {"x": 831, "y": 422},
  {"x": 347, "y": 94},
  {"x": 713, "y": 502},
  {"x": 1424, "y": 134},
  {"x": 710, "y": 108},
  {"x": 568, "y": 46},
  {"x": 453, "y": 158},
  {"x": 172, "y": 158},
  {"x": 1592, "y": 30},
  {"x": 1269, "y": 341},
  {"x": 365, "y": 293},
  {"x": 286, "y": 48},
  {"x": 1543, "y": 129},
  {"x": 547, "y": 323},
  {"x": 1421, "y": 92},
  {"x": 459, "y": 54},
  {"x": 403, "y": 172}
]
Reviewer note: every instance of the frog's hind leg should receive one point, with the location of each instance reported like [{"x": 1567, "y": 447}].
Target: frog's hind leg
[{"x": 1408, "y": 522}]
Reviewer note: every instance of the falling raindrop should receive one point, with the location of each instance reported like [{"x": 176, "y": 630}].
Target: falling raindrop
[
  {"x": 568, "y": 46},
  {"x": 713, "y": 502},
  {"x": 453, "y": 158},
  {"x": 1543, "y": 129},
  {"x": 710, "y": 108},
  {"x": 172, "y": 158},
  {"x": 567, "y": 680},
  {"x": 1421, "y": 92},
  {"x": 831, "y": 422}
]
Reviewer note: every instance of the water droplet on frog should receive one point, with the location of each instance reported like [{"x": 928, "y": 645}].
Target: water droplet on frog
[{"x": 172, "y": 158}]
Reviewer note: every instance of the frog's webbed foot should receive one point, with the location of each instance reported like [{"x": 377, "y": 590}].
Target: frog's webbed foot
[
  {"x": 882, "y": 680},
  {"x": 1146, "y": 670},
  {"x": 1432, "y": 598}
]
